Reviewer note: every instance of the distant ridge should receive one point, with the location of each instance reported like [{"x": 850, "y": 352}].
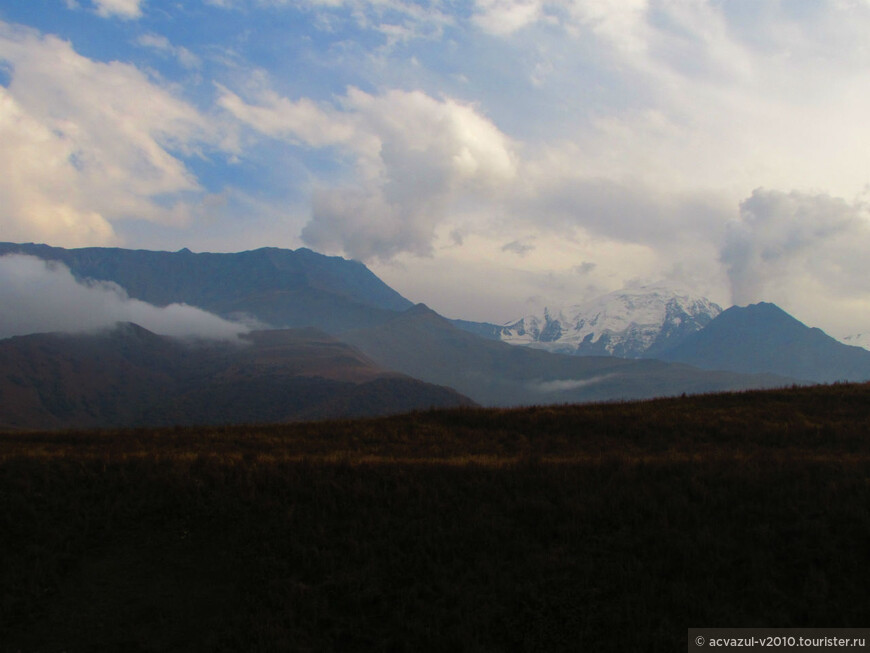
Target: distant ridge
[
  {"x": 422, "y": 344},
  {"x": 278, "y": 287},
  {"x": 128, "y": 376},
  {"x": 764, "y": 338}
]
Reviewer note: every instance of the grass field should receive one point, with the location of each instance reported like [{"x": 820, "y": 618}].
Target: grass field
[{"x": 610, "y": 527}]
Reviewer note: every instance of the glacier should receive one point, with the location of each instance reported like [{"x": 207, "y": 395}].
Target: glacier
[{"x": 630, "y": 323}]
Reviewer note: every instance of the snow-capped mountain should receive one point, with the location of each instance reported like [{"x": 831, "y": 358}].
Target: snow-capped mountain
[{"x": 634, "y": 323}]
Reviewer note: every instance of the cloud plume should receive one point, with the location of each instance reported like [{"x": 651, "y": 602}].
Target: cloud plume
[
  {"x": 39, "y": 296},
  {"x": 781, "y": 237}
]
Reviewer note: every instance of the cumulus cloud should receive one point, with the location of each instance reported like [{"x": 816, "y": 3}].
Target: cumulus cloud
[
  {"x": 88, "y": 143},
  {"x": 39, "y": 296},
  {"x": 414, "y": 157},
  {"x": 780, "y": 239}
]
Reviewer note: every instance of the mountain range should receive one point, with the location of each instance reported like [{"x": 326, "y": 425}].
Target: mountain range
[
  {"x": 422, "y": 344},
  {"x": 337, "y": 341},
  {"x": 277, "y": 287},
  {"x": 642, "y": 322}
]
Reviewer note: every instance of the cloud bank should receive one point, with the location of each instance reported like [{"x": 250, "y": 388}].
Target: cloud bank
[
  {"x": 439, "y": 142},
  {"x": 39, "y": 296}
]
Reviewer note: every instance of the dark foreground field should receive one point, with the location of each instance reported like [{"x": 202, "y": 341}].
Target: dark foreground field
[{"x": 597, "y": 528}]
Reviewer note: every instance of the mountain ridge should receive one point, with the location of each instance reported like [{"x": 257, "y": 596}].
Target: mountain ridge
[
  {"x": 629, "y": 323},
  {"x": 763, "y": 337},
  {"x": 344, "y": 300},
  {"x": 427, "y": 346},
  {"x": 278, "y": 287},
  {"x": 129, "y": 376}
]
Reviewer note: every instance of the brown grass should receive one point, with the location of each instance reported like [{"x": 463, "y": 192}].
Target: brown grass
[{"x": 608, "y": 527}]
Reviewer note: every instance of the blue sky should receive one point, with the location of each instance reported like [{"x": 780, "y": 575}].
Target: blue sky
[{"x": 485, "y": 157}]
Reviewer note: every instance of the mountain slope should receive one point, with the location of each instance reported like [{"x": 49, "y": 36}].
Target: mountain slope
[
  {"x": 279, "y": 287},
  {"x": 764, "y": 338},
  {"x": 424, "y": 345},
  {"x": 129, "y": 376},
  {"x": 627, "y": 323},
  {"x": 857, "y": 340}
]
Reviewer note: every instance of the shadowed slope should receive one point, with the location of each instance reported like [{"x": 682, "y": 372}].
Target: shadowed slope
[
  {"x": 764, "y": 338},
  {"x": 129, "y": 376}
]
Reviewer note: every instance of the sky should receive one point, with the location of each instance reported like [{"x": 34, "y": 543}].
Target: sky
[{"x": 485, "y": 157}]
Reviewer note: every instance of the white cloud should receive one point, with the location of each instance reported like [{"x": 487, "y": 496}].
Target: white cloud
[
  {"x": 620, "y": 22},
  {"x": 303, "y": 122},
  {"x": 564, "y": 385},
  {"x": 780, "y": 237},
  {"x": 39, "y": 296},
  {"x": 396, "y": 20},
  {"x": 702, "y": 95},
  {"x": 126, "y": 9},
  {"x": 162, "y": 44},
  {"x": 626, "y": 136},
  {"x": 88, "y": 143},
  {"x": 414, "y": 157},
  {"x": 507, "y": 16},
  {"x": 805, "y": 252}
]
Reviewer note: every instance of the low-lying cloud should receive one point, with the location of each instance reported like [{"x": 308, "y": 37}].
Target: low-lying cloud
[
  {"x": 563, "y": 385},
  {"x": 41, "y": 296}
]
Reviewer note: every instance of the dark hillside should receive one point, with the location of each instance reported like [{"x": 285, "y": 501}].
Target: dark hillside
[
  {"x": 129, "y": 376},
  {"x": 610, "y": 527}
]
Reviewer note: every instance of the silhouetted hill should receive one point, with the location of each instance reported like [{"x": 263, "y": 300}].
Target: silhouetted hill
[
  {"x": 280, "y": 287},
  {"x": 764, "y": 338},
  {"x": 129, "y": 376},
  {"x": 422, "y": 344}
]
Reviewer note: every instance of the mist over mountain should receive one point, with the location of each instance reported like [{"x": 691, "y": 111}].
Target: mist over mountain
[
  {"x": 277, "y": 287},
  {"x": 425, "y": 345},
  {"x": 616, "y": 342},
  {"x": 128, "y": 376},
  {"x": 41, "y": 296}
]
